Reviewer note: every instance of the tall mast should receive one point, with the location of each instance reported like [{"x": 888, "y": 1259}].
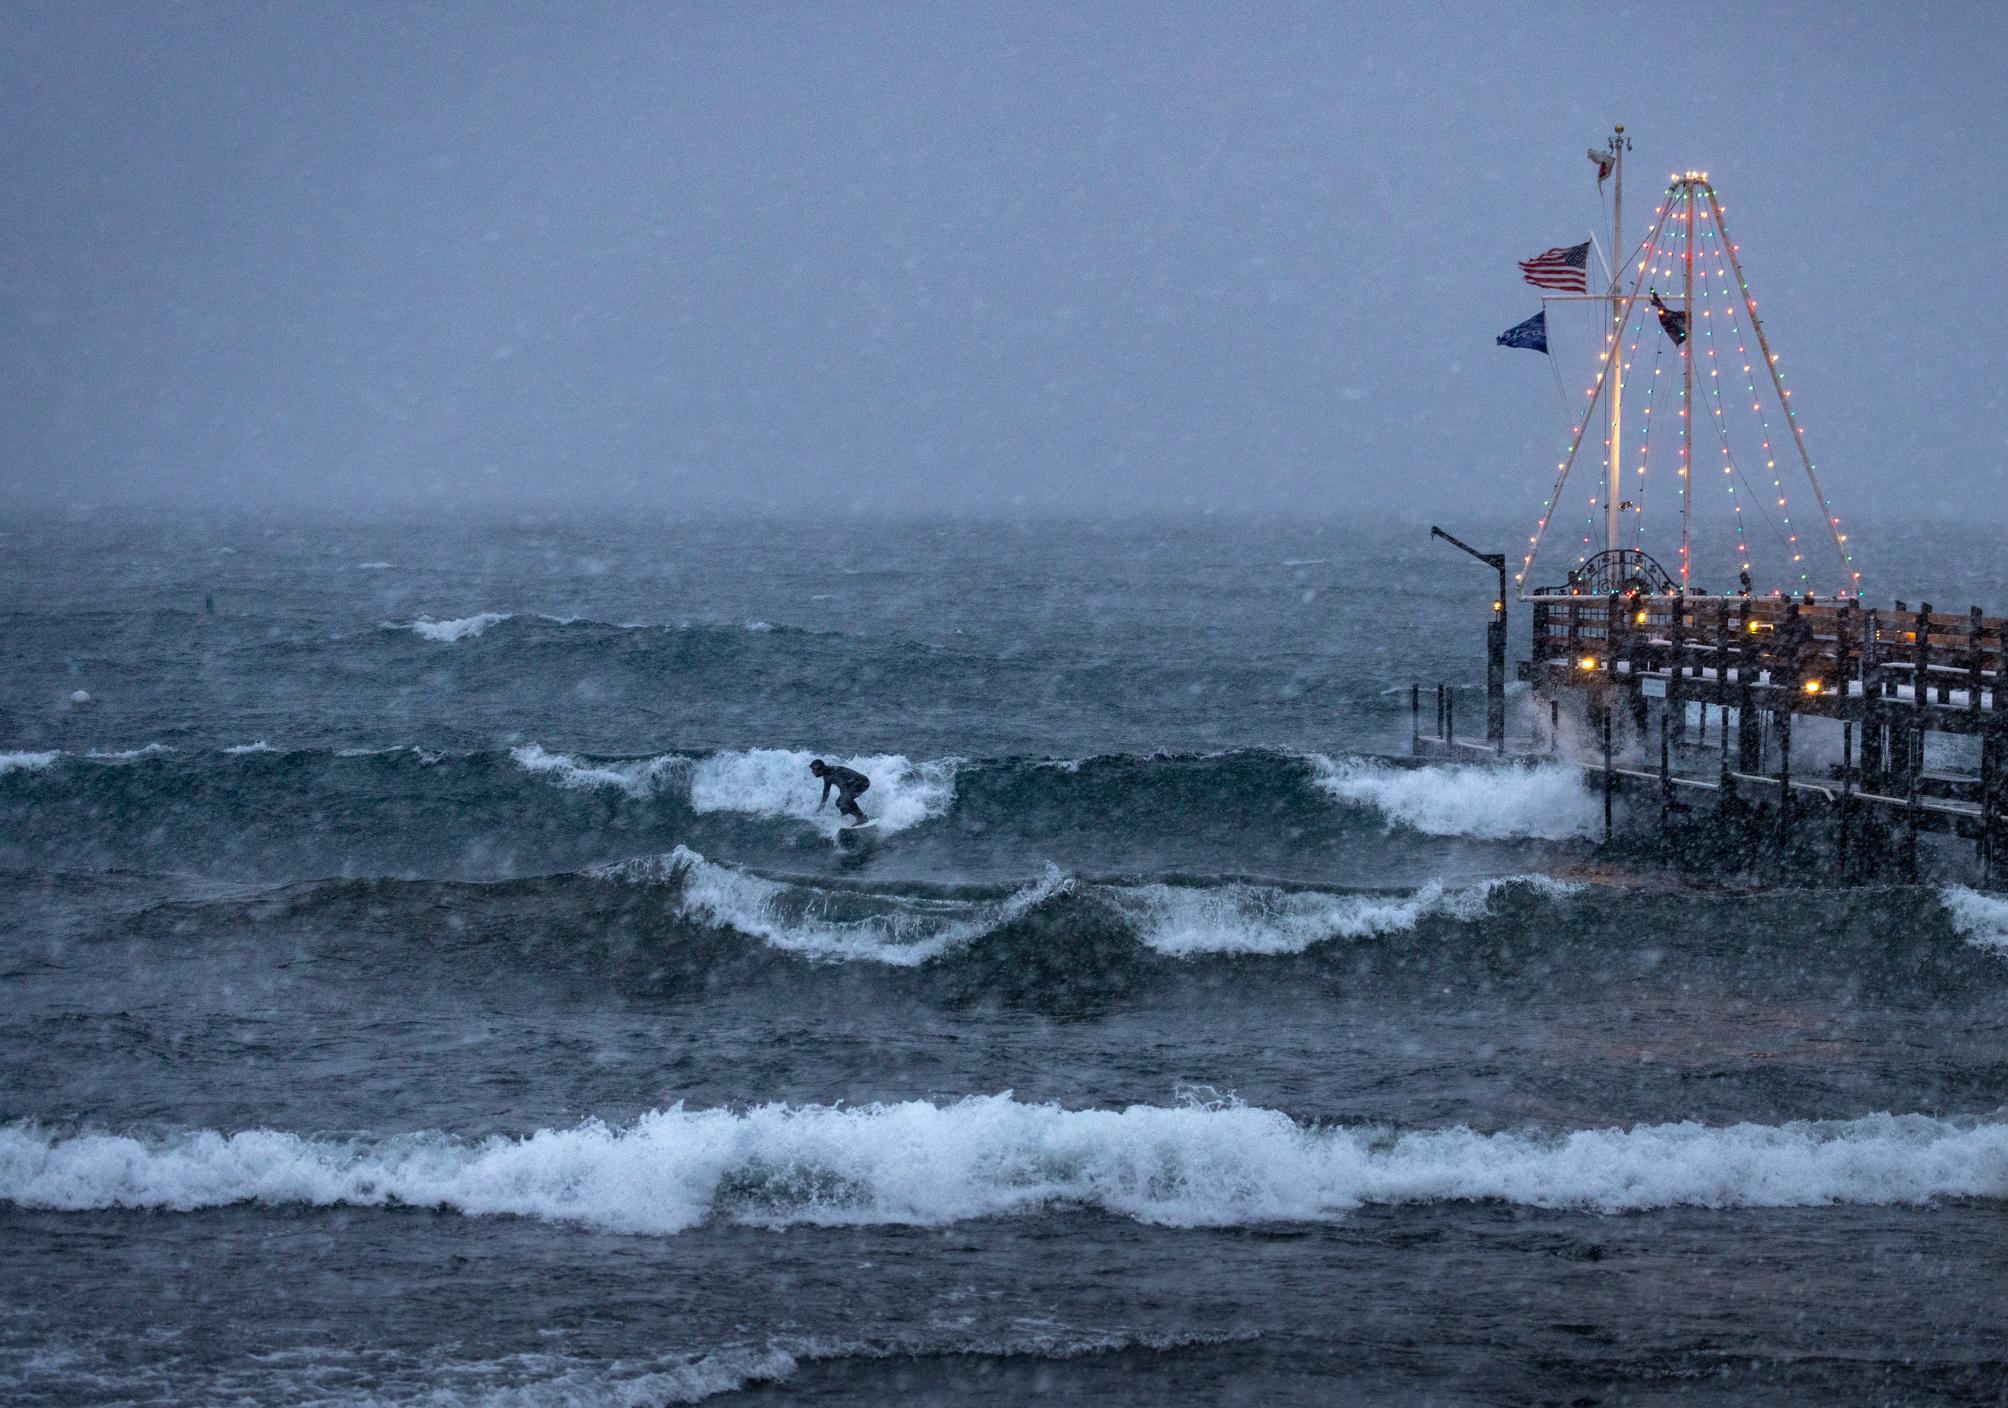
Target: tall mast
[
  {"x": 1692, "y": 185},
  {"x": 1614, "y": 476}
]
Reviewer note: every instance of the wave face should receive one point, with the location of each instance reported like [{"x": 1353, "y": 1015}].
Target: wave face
[
  {"x": 927, "y": 1164},
  {"x": 407, "y": 810}
]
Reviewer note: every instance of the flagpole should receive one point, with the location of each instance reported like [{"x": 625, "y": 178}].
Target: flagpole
[
  {"x": 1614, "y": 478},
  {"x": 1562, "y": 471}
]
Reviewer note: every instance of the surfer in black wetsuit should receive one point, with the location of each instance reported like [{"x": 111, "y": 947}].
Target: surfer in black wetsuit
[{"x": 848, "y": 782}]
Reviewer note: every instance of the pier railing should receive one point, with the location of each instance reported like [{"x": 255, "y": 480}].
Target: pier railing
[{"x": 1833, "y": 658}]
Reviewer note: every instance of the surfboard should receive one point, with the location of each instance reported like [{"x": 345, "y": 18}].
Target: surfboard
[{"x": 863, "y": 834}]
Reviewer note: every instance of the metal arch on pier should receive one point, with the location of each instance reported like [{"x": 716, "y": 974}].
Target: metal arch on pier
[{"x": 1626, "y": 571}]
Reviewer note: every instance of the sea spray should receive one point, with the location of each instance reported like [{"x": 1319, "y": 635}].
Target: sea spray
[
  {"x": 1981, "y": 919},
  {"x": 1545, "y": 801}
]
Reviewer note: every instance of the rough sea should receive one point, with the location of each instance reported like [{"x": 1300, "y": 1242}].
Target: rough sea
[{"x": 426, "y": 978}]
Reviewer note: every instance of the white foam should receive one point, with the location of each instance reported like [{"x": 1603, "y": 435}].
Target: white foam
[
  {"x": 773, "y": 782},
  {"x": 26, "y": 762},
  {"x": 1243, "y": 918},
  {"x": 372, "y": 566},
  {"x": 1195, "y": 1165},
  {"x": 127, "y": 755},
  {"x": 638, "y": 777},
  {"x": 261, "y": 746},
  {"x": 458, "y": 629},
  {"x": 1546, "y": 800},
  {"x": 828, "y": 925},
  {"x": 1982, "y": 919}
]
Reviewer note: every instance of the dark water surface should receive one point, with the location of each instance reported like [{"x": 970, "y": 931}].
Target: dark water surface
[{"x": 428, "y": 980}]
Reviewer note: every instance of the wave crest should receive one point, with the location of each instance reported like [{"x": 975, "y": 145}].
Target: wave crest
[
  {"x": 640, "y": 778},
  {"x": 445, "y": 632},
  {"x": 827, "y": 925},
  {"x": 1262, "y": 919}
]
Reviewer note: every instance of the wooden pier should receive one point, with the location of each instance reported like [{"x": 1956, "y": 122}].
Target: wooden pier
[{"x": 1646, "y": 676}]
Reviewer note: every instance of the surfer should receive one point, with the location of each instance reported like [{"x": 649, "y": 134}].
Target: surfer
[{"x": 848, "y": 782}]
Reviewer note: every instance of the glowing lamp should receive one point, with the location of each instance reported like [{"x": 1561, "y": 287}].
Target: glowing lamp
[
  {"x": 1639, "y": 620},
  {"x": 1588, "y": 662},
  {"x": 1811, "y": 686}
]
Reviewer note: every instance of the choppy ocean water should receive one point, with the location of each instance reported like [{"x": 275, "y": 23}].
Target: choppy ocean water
[{"x": 428, "y": 980}]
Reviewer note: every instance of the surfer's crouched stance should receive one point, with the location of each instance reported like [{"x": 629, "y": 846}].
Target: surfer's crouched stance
[{"x": 848, "y": 783}]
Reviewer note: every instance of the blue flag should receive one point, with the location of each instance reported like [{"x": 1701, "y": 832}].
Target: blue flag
[{"x": 1532, "y": 334}]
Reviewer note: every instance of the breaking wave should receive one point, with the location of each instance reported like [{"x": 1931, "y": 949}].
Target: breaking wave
[
  {"x": 1546, "y": 801},
  {"x": 1179, "y": 920},
  {"x": 26, "y": 762},
  {"x": 1212, "y": 1164},
  {"x": 457, "y": 629},
  {"x": 1238, "y": 917},
  {"x": 638, "y": 777},
  {"x": 828, "y": 925}
]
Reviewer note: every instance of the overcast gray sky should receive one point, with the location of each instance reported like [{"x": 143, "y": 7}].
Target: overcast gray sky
[{"x": 992, "y": 257}]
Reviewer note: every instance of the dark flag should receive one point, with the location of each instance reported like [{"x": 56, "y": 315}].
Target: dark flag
[
  {"x": 1532, "y": 334},
  {"x": 1565, "y": 269},
  {"x": 1674, "y": 323}
]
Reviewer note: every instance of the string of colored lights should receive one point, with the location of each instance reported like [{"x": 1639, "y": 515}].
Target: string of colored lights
[
  {"x": 1645, "y": 434},
  {"x": 1852, "y": 577},
  {"x": 1692, "y": 209},
  {"x": 1732, "y": 468},
  {"x": 1789, "y": 536}
]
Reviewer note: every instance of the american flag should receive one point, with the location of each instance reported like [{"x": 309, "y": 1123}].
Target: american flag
[{"x": 1566, "y": 269}]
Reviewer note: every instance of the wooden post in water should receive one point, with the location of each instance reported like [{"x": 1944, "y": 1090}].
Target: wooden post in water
[
  {"x": 1749, "y": 723},
  {"x": 1993, "y": 794},
  {"x": 1847, "y": 790},
  {"x": 1609, "y": 780},
  {"x": 1914, "y": 750},
  {"x": 1784, "y": 774},
  {"x": 1975, "y": 655},
  {"x": 1665, "y": 775},
  {"x": 1414, "y": 719},
  {"x": 1875, "y": 729},
  {"x": 1554, "y": 727},
  {"x": 1676, "y": 670},
  {"x": 1988, "y": 764},
  {"x": 1920, "y": 687}
]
